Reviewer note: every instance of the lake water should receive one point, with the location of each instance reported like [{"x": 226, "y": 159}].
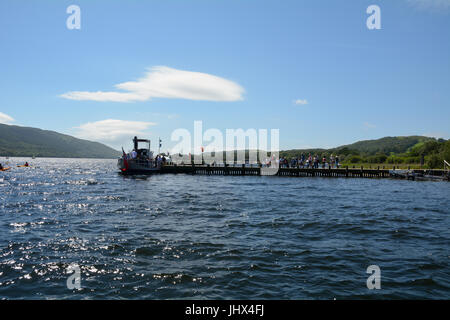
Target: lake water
[{"x": 215, "y": 237}]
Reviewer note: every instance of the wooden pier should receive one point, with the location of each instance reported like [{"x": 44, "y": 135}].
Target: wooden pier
[{"x": 242, "y": 170}]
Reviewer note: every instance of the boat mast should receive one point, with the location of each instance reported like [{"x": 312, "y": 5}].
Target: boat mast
[{"x": 135, "y": 141}]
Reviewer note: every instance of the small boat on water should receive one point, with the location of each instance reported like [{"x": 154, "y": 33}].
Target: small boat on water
[
  {"x": 418, "y": 176},
  {"x": 140, "y": 161}
]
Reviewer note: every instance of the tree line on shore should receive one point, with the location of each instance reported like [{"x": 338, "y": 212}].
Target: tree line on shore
[{"x": 414, "y": 150}]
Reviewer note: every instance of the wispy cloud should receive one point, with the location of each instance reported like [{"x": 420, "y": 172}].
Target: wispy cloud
[
  {"x": 368, "y": 125},
  {"x": 165, "y": 82},
  {"x": 169, "y": 116},
  {"x": 436, "y": 135},
  {"x": 111, "y": 131},
  {"x": 4, "y": 118},
  {"x": 300, "y": 102}
]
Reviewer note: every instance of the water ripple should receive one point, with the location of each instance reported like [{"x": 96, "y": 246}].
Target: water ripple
[{"x": 197, "y": 237}]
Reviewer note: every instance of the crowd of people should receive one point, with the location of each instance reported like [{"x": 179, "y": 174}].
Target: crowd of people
[
  {"x": 310, "y": 161},
  {"x": 303, "y": 162},
  {"x": 158, "y": 161}
]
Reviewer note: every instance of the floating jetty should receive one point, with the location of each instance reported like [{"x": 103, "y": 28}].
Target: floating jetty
[
  {"x": 141, "y": 162},
  {"x": 345, "y": 172}
]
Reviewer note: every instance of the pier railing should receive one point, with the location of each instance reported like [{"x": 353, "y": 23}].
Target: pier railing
[
  {"x": 258, "y": 170},
  {"x": 255, "y": 170}
]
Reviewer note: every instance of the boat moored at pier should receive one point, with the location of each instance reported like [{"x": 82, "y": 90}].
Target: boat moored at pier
[{"x": 139, "y": 161}]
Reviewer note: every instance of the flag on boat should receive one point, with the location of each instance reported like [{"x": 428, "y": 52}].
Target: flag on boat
[{"x": 125, "y": 161}]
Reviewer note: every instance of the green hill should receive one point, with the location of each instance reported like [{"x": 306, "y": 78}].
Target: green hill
[
  {"x": 387, "y": 150},
  {"x": 387, "y": 145},
  {"x": 16, "y": 141}
]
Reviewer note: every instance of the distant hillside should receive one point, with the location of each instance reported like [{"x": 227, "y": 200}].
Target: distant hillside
[
  {"x": 391, "y": 150},
  {"x": 18, "y": 141},
  {"x": 387, "y": 145}
]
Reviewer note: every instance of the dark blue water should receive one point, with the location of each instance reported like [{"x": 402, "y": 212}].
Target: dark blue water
[{"x": 214, "y": 237}]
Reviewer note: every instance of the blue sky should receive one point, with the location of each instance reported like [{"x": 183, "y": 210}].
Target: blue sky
[{"x": 249, "y": 62}]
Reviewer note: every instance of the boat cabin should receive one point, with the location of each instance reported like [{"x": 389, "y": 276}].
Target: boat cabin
[{"x": 142, "y": 153}]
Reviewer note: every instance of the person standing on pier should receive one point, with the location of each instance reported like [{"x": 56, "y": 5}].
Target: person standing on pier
[{"x": 294, "y": 162}]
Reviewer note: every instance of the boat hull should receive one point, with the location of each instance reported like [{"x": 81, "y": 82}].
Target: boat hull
[
  {"x": 136, "y": 167},
  {"x": 131, "y": 172}
]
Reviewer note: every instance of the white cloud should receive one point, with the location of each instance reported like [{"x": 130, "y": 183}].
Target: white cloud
[
  {"x": 112, "y": 132},
  {"x": 301, "y": 102},
  {"x": 4, "y": 118},
  {"x": 165, "y": 82}
]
